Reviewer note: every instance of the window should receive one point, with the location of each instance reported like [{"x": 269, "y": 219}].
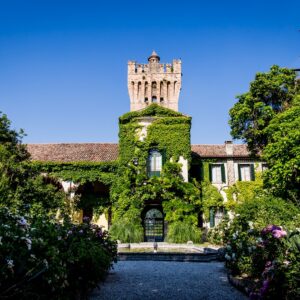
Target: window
[
  {"x": 215, "y": 216},
  {"x": 154, "y": 99},
  {"x": 217, "y": 173},
  {"x": 154, "y": 163},
  {"x": 246, "y": 172}
]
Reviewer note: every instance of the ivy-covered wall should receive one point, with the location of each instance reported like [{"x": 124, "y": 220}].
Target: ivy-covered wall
[
  {"x": 130, "y": 187},
  {"x": 79, "y": 172},
  {"x": 169, "y": 132}
]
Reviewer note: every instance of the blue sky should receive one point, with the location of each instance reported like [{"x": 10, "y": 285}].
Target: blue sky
[{"x": 63, "y": 64}]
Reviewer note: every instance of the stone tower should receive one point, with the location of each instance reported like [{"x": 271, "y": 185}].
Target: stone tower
[{"x": 154, "y": 83}]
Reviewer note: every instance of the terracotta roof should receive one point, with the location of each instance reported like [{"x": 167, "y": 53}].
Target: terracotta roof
[
  {"x": 72, "y": 152},
  {"x": 219, "y": 150},
  {"x": 97, "y": 152}
]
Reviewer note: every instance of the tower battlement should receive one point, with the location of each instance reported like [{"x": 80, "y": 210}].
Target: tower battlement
[{"x": 154, "y": 83}]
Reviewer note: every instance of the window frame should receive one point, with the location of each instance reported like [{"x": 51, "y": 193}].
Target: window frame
[
  {"x": 251, "y": 171},
  {"x": 156, "y": 171},
  {"x": 223, "y": 173}
]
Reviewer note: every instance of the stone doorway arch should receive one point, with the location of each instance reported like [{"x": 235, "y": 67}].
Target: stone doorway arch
[{"x": 153, "y": 222}]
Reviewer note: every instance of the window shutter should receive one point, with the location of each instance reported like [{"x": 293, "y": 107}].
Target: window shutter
[
  {"x": 223, "y": 173},
  {"x": 252, "y": 172},
  {"x": 240, "y": 175},
  {"x": 164, "y": 157},
  {"x": 148, "y": 166},
  {"x": 210, "y": 172},
  {"x": 211, "y": 217},
  {"x": 202, "y": 170}
]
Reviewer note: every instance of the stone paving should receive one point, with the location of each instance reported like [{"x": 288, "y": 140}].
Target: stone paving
[{"x": 167, "y": 280}]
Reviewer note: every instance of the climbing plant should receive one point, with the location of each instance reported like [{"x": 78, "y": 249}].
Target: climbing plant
[
  {"x": 79, "y": 172},
  {"x": 169, "y": 133},
  {"x": 130, "y": 187}
]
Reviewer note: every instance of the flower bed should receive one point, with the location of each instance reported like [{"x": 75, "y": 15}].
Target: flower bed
[
  {"x": 43, "y": 259},
  {"x": 267, "y": 262}
]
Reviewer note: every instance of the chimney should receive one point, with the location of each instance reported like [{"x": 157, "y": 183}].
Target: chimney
[{"x": 229, "y": 148}]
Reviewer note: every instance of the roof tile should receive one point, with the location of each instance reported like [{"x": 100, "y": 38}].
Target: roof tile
[
  {"x": 97, "y": 152},
  {"x": 74, "y": 152}
]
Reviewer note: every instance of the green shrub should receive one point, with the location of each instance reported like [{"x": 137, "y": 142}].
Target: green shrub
[
  {"x": 182, "y": 232},
  {"x": 43, "y": 259},
  {"x": 270, "y": 258},
  {"x": 216, "y": 234},
  {"x": 269, "y": 210},
  {"x": 263, "y": 243},
  {"x": 127, "y": 232},
  {"x": 259, "y": 212}
]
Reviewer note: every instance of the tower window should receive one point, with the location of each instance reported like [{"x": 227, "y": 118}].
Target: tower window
[
  {"x": 146, "y": 100},
  {"x": 161, "y": 99},
  {"x": 154, "y": 99},
  {"x": 154, "y": 163}
]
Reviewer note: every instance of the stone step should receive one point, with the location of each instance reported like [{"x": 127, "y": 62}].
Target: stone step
[{"x": 185, "y": 257}]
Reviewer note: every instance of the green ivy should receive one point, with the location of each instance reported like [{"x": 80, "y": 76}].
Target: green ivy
[
  {"x": 243, "y": 191},
  {"x": 151, "y": 110},
  {"x": 79, "y": 172},
  {"x": 130, "y": 186},
  {"x": 169, "y": 133}
]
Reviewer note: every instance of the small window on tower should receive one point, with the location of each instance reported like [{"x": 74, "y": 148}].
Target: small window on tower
[
  {"x": 154, "y": 99},
  {"x": 161, "y": 99},
  {"x": 154, "y": 163},
  {"x": 146, "y": 100}
]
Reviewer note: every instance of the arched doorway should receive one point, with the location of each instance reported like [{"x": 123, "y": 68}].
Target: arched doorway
[
  {"x": 153, "y": 225},
  {"x": 94, "y": 197}
]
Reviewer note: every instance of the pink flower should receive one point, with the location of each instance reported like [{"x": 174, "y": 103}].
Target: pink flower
[
  {"x": 278, "y": 233},
  {"x": 270, "y": 228}
]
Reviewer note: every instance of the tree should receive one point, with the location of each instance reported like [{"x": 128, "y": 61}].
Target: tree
[
  {"x": 282, "y": 153},
  {"x": 10, "y": 140},
  {"x": 22, "y": 188},
  {"x": 269, "y": 94}
]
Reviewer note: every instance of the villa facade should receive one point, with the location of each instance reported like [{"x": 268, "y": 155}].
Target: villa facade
[{"x": 153, "y": 120}]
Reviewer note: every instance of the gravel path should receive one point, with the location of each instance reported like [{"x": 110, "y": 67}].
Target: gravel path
[{"x": 167, "y": 280}]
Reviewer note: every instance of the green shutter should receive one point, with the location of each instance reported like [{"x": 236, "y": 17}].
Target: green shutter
[
  {"x": 210, "y": 172},
  {"x": 148, "y": 165},
  {"x": 212, "y": 217},
  {"x": 240, "y": 175},
  {"x": 201, "y": 171},
  {"x": 223, "y": 173},
  {"x": 164, "y": 156},
  {"x": 252, "y": 172}
]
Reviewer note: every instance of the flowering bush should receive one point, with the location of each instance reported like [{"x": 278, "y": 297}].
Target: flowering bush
[
  {"x": 270, "y": 258},
  {"x": 40, "y": 258}
]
